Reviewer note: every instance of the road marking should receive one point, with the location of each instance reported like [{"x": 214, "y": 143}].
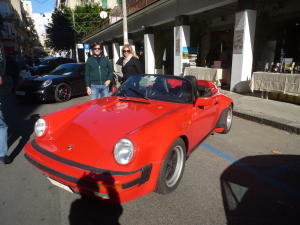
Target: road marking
[{"x": 262, "y": 176}]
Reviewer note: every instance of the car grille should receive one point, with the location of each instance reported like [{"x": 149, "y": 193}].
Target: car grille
[{"x": 30, "y": 86}]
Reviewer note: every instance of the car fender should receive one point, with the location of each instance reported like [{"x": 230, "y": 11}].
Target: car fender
[{"x": 152, "y": 141}]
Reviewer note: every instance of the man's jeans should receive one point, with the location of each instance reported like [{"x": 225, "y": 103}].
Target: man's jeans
[
  {"x": 99, "y": 89},
  {"x": 3, "y": 135}
]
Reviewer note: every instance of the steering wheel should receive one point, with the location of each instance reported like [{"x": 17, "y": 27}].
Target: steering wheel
[{"x": 168, "y": 93}]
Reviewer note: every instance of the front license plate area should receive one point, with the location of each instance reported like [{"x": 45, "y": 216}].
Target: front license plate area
[
  {"x": 56, "y": 183},
  {"x": 22, "y": 93}
]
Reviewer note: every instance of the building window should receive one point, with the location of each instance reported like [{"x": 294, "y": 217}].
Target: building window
[
  {"x": 104, "y": 3},
  {"x": 118, "y": 2},
  {"x": 4, "y": 9}
]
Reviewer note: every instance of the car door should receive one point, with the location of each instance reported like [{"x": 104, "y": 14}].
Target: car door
[
  {"x": 79, "y": 81},
  {"x": 203, "y": 120}
]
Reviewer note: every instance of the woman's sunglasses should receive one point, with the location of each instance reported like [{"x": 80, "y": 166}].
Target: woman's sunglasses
[
  {"x": 97, "y": 48},
  {"x": 128, "y": 51}
]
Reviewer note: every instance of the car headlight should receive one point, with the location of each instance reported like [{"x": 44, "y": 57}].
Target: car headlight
[
  {"x": 47, "y": 83},
  {"x": 123, "y": 151},
  {"x": 40, "y": 127}
]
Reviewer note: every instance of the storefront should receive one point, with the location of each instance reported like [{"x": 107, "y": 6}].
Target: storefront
[{"x": 242, "y": 34}]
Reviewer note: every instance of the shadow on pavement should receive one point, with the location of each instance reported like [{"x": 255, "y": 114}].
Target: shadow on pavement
[
  {"x": 19, "y": 118},
  {"x": 262, "y": 190},
  {"x": 24, "y": 130},
  {"x": 88, "y": 210}
]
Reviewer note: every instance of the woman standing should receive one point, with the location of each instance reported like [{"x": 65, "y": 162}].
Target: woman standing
[
  {"x": 98, "y": 73},
  {"x": 129, "y": 62}
]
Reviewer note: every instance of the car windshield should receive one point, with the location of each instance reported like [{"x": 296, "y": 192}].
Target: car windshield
[
  {"x": 157, "y": 87},
  {"x": 65, "y": 69},
  {"x": 48, "y": 62}
]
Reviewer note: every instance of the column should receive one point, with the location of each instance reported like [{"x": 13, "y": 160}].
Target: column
[
  {"x": 149, "y": 51},
  {"x": 243, "y": 45},
  {"x": 181, "y": 39},
  {"x": 106, "y": 48},
  {"x": 115, "y": 51}
]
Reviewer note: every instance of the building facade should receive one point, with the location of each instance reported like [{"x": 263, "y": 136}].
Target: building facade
[
  {"x": 245, "y": 33},
  {"x": 17, "y": 31},
  {"x": 72, "y": 3}
]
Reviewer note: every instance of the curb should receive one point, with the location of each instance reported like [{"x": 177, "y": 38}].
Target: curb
[{"x": 267, "y": 122}]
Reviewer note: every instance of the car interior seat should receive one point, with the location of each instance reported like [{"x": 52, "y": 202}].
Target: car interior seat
[
  {"x": 204, "y": 90},
  {"x": 159, "y": 87}
]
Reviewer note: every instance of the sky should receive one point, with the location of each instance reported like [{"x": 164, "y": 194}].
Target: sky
[{"x": 42, "y": 6}]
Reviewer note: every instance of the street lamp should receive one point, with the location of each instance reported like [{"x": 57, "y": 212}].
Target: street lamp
[
  {"x": 124, "y": 10},
  {"x": 76, "y": 49},
  {"x": 103, "y": 14}
]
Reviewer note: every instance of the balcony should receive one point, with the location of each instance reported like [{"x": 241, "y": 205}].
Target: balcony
[
  {"x": 8, "y": 36},
  {"x": 135, "y": 5},
  {"x": 116, "y": 14}
]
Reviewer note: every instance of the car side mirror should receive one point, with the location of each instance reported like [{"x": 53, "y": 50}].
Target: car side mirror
[{"x": 203, "y": 101}]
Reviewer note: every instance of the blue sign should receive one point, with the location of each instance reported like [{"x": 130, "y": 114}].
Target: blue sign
[{"x": 86, "y": 47}]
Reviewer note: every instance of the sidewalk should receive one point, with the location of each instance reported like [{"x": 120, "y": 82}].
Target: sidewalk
[{"x": 281, "y": 115}]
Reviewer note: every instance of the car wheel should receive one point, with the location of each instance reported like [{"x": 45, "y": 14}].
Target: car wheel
[
  {"x": 172, "y": 168},
  {"x": 228, "y": 119},
  {"x": 62, "y": 92}
]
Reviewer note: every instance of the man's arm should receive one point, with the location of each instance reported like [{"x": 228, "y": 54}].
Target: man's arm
[{"x": 1, "y": 80}]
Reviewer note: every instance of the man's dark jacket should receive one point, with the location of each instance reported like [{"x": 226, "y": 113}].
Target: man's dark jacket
[{"x": 97, "y": 74}]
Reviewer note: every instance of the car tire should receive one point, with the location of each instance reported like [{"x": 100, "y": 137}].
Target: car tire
[
  {"x": 172, "y": 168},
  {"x": 228, "y": 119},
  {"x": 62, "y": 92}
]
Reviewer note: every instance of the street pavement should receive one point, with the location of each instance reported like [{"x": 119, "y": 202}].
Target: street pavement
[{"x": 250, "y": 106}]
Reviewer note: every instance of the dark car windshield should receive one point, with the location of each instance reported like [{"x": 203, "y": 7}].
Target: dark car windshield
[
  {"x": 65, "y": 69},
  {"x": 158, "y": 87},
  {"x": 48, "y": 61}
]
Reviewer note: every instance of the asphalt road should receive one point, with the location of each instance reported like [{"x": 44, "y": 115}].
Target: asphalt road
[{"x": 249, "y": 176}]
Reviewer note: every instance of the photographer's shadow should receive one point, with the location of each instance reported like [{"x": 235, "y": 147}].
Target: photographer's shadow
[
  {"x": 88, "y": 210},
  {"x": 263, "y": 189}
]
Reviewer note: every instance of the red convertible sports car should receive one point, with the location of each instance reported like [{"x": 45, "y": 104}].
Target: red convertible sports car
[{"x": 132, "y": 143}]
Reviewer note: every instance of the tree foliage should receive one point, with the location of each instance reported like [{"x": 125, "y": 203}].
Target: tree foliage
[
  {"x": 60, "y": 34},
  {"x": 67, "y": 23}
]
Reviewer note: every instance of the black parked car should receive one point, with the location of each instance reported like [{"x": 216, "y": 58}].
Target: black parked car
[
  {"x": 59, "y": 85},
  {"x": 48, "y": 64}
]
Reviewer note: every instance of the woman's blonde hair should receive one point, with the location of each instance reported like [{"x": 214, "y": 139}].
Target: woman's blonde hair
[{"x": 131, "y": 50}]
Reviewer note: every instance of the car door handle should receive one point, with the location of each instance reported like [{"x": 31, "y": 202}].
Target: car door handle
[{"x": 217, "y": 102}]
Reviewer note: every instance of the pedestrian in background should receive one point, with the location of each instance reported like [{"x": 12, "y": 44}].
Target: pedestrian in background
[
  {"x": 98, "y": 73},
  {"x": 4, "y": 159},
  {"x": 24, "y": 72},
  {"x": 12, "y": 70},
  {"x": 129, "y": 62}
]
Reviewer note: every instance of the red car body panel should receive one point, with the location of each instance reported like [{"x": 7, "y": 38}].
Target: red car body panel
[{"x": 77, "y": 149}]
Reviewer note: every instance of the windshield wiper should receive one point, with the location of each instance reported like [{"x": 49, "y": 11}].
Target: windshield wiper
[{"x": 138, "y": 93}]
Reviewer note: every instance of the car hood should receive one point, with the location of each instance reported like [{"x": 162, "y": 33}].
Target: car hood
[
  {"x": 41, "y": 79},
  {"x": 38, "y": 67},
  {"x": 47, "y": 77},
  {"x": 93, "y": 133}
]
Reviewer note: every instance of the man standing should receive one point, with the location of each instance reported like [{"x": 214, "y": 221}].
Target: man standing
[
  {"x": 4, "y": 159},
  {"x": 98, "y": 73}
]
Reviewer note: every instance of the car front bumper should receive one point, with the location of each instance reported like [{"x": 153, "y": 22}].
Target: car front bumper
[
  {"x": 40, "y": 95},
  {"x": 111, "y": 185}
]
